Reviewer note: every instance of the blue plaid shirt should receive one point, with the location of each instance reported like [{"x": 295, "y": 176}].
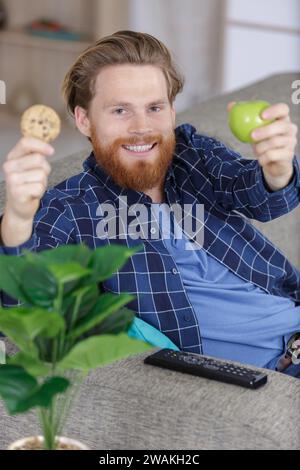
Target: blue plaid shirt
[{"x": 232, "y": 190}]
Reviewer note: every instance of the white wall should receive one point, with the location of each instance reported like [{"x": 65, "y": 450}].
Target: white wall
[
  {"x": 191, "y": 30},
  {"x": 261, "y": 37}
]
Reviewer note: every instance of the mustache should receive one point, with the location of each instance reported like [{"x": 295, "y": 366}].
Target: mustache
[{"x": 156, "y": 139}]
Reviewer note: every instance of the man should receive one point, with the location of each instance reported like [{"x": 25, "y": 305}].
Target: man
[{"x": 232, "y": 298}]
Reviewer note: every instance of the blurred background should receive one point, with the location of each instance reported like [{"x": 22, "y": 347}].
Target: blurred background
[{"x": 219, "y": 45}]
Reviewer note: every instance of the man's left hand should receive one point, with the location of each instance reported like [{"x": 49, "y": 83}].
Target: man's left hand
[{"x": 275, "y": 145}]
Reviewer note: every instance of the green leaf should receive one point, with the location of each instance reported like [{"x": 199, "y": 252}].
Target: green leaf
[
  {"x": 68, "y": 272},
  {"x": 31, "y": 364},
  {"x": 87, "y": 297},
  {"x": 21, "y": 391},
  {"x": 39, "y": 285},
  {"x": 108, "y": 259},
  {"x": 79, "y": 303},
  {"x": 71, "y": 255},
  {"x": 116, "y": 322},
  {"x": 79, "y": 254},
  {"x": 23, "y": 324},
  {"x": 99, "y": 350},
  {"x": 44, "y": 395},
  {"x": 15, "y": 385},
  {"x": 11, "y": 268},
  {"x": 105, "y": 306}
]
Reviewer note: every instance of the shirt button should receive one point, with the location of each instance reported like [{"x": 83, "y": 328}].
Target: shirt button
[
  {"x": 153, "y": 230},
  {"x": 174, "y": 271}
]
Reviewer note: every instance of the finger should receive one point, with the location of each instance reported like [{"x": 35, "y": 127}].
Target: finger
[
  {"x": 265, "y": 132},
  {"x": 283, "y": 363},
  {"x": 25, "y": 192},
  {"x": 28, "y": 162},
  {"x": 28, "y": 145},
  {"x": 230, "y": 105},
  {"x": 276, "y": 111},
  {"x": 283, "y": 155},
  {"x": 278, "y": 141},
  {"x": 294, "y": 129},
  {"x": 32, "y": 176}
]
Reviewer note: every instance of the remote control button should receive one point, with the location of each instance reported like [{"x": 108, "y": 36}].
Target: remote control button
[
  {"x": 191, "y": 360},
  {"x": 211, "y": 366}
]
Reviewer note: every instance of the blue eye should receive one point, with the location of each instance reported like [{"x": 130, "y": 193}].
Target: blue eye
[{"x": 119, "y": 109}]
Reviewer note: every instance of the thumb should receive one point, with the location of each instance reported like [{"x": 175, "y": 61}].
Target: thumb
[{"x": 230, "y": 105}]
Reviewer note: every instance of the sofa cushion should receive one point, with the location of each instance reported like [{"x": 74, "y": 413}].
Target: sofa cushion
[{"x": 131, "y": 405}]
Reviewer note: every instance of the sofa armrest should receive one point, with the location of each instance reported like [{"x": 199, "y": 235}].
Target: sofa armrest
[{"x": 132, "y": 405}]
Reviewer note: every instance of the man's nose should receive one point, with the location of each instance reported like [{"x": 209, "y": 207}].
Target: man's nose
[{"x": 140, "y": 125}]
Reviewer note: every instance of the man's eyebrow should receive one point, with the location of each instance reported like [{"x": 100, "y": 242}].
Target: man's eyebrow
[{"x": 122, "y": 103}]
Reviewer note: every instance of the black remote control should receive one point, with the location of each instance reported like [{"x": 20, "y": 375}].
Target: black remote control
[{"x": 208, "y": 367}]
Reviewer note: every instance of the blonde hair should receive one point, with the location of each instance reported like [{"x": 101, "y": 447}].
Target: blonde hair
[{"x": 122, "y": 47}]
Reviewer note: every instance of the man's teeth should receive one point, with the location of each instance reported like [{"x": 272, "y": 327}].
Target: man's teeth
[{"x": 138, "y": 148}]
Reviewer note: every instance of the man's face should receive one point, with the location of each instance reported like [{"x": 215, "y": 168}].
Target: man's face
[{"x": 131, "y": 107}]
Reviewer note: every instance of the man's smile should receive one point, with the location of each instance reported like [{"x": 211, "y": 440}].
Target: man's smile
[{"x": 139, "y": 150}]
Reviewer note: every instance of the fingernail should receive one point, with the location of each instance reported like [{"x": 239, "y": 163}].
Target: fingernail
[
  {"x": 254, "y": 135},
  {"x": 265, "y": 115}
]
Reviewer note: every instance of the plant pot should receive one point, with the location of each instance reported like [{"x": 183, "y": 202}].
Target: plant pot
[{"x": 36, "y": 443}]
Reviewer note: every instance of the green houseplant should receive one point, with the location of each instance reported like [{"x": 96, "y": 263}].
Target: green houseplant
[{"x": 63, "y": 328}]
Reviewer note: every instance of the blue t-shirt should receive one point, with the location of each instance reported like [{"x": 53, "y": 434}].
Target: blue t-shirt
[{"x": 238, "y": 320}]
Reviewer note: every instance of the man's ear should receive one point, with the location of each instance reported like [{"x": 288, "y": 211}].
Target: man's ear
[{"x": 82, "y": 121}]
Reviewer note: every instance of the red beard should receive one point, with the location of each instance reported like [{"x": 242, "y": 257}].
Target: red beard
[{"x": 139, "y": 175}]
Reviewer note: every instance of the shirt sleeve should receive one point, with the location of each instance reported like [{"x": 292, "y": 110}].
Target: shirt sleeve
[
  {"x": 238, "y": 183},
  {"x": 52, "y": 227}
]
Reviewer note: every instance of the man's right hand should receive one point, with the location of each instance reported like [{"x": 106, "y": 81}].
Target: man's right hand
[{"x": 26, "y": 171}]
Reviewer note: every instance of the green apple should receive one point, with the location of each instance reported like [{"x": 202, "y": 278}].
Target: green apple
[{"x": 245, "y": 116}]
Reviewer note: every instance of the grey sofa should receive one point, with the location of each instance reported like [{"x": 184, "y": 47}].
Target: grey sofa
[{"x": 130, "y": 405}]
